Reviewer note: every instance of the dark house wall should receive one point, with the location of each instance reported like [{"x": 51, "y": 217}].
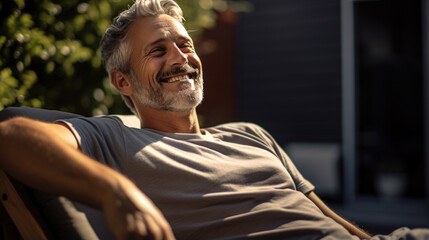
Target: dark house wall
[{"x": 289, "y": 69}]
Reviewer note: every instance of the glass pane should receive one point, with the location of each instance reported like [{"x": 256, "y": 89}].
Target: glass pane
[{"x": 389, "y": 85}]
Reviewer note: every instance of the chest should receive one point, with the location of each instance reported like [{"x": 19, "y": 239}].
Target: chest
[{"x": 204, "y": 167}]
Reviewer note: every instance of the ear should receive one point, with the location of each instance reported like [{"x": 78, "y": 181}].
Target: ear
[{"x": 122, "y": 82}]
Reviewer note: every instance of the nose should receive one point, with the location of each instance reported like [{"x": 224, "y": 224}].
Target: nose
[{"x": 176, "y": 57}]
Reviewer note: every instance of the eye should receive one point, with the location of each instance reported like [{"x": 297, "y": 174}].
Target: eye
[
  {"x": 187, "y": 46},
  {"x": 157, "y": 51}
]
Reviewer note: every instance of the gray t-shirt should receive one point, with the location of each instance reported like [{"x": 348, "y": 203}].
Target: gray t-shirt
[{"x": 232, "y": 182}]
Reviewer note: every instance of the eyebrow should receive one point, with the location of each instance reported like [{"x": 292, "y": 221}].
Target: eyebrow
[{"x": 154, "y": 43}]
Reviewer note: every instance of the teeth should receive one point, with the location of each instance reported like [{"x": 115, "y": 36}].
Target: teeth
[{"x": 178, "y": 78}]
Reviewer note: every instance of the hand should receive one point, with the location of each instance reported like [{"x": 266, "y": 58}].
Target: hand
[{"x": 130, "y": 214}]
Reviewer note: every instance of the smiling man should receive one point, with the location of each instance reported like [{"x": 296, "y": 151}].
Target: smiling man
[
  {"x": 165, "y": 60},
  {"x": 161, "y": 77},
  {"x": 169, "y": 178}
]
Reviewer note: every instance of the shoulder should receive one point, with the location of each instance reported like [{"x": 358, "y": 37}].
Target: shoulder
[
  {"x": 240, "y": 127},
  {"x": 99, "y": 137},
  {"x": 95, "y": 127},
  {"x": 242, "y": 130},
  {"x": 100, "y": 122}
]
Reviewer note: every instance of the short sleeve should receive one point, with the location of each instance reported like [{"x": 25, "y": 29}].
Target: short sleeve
[{"x": 100, "y": 138}]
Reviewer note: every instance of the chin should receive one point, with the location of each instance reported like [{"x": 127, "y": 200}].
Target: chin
[
  {"x": 184, "y": 100},
  {"x": 186, "y": 105}
]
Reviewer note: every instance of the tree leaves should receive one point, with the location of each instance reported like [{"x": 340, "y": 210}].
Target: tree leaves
[{"x": 50, "y": 56}]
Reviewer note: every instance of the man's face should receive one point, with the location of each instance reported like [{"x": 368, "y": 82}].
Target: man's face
[{"x": 166, "y": 72}]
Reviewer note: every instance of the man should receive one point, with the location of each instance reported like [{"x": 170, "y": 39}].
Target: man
[{"x": 227, "y": 182}]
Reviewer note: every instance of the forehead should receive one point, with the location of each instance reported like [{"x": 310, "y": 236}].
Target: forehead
[{"x": 147, "y": 30}]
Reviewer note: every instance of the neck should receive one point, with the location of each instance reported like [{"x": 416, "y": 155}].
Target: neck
[{"x": 166, "y": 121}]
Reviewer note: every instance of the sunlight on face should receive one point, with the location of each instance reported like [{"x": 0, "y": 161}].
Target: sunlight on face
[
  {"x": 188, "y": 97},
  {"x": 166, "y": 71}
]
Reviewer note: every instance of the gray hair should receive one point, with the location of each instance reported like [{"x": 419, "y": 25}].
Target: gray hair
[{"x": 116, "y": 50}]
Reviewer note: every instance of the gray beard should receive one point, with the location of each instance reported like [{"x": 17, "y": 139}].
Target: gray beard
[{"x": 186, "y": 99}]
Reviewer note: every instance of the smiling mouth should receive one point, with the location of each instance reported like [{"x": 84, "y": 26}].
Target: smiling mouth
[{"x": 186, "y": 77}]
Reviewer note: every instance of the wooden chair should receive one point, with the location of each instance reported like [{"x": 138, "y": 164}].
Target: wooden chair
[{"x": 19, "y": 216}]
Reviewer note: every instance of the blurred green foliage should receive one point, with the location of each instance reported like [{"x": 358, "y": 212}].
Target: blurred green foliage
[{"x": 50, "y": 56}]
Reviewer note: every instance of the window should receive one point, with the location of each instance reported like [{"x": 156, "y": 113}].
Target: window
[{"x": 385, "y": 81}]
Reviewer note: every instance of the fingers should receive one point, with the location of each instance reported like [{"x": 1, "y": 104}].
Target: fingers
[
  {"x": 135, "y": 225},
  {"x": 141, "y": 228},
  {"x": 130, "y": 214},
  {"x": 145, "y": 226},
  {"x": 153, "y": 227}
]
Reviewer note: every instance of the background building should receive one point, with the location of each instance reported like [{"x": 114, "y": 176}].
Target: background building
[{"x": 342, "y": 85}]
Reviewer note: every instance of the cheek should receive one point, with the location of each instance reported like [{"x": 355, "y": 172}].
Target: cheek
[
  {"x": 195, "y": 61},
  {"x": 148, "y": 71}
]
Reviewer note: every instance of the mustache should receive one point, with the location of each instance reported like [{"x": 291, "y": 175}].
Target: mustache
[{"x": 187, "y": 68}]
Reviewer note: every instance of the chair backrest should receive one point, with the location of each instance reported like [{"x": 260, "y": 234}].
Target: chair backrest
[{"x": 38, "y": 215}]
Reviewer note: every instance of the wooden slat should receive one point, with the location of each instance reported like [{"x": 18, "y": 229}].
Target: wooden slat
[
  {"x": 25, "y": 222},
  {"x": 9, "y": 230}
]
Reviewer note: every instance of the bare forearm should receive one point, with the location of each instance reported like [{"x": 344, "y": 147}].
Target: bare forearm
[
  {"x": 43, "y": 159},
  {"x": 35, "y": 155}
]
